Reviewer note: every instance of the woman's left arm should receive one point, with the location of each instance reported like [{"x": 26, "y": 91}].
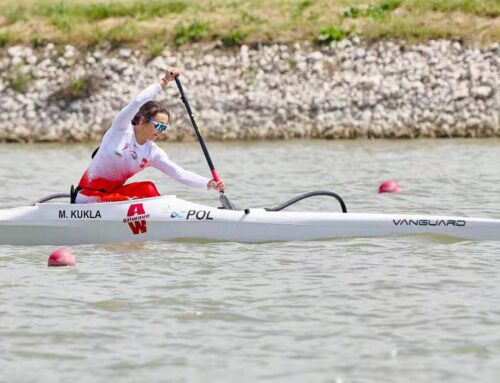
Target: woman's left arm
[{"x": 161, "y": 162}]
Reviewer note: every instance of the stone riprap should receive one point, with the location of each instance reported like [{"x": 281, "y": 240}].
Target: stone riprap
[{"x": 384, "y": 90}]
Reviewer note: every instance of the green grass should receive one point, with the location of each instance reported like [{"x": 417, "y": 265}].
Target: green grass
[
  {"x": 298, "y": 7},
  {"x": 377, "y": 11},
  {"x": 191, "y": 33},
  {"x": 140, "y": 22},
  {"x": 37, "y": 41},
  {"x": 155, "y": 48},
  {"x": 124, "y": 33},
  {"x": 13, "y": 14},
  {"x": 17, "y": 81},
  {"x": 352, "y": 12},
  {"x": 487, "y": 8},
  {"x": 383, "y": 9},
  {"x": 4, "y": 39},
  {"x": 332, "y": 34},
  {"x": 234, "y": 38},
  {"x": 76, "y": 89},
  {"x": 407, "y": 29},
  {"x": 249, "y": 18},
  {"x": 96, "y": 11}
]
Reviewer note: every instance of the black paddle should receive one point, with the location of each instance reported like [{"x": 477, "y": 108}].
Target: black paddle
[{"x": 223, "y": 199}]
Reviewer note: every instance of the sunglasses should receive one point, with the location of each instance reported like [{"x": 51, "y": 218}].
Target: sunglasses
[{"x": 158, "y": 125}]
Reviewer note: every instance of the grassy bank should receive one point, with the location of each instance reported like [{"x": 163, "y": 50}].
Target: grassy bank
[{"x": 151, "y": 24}]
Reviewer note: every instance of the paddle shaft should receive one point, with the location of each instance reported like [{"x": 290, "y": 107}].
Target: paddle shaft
[{"x": 197, "y": 131}]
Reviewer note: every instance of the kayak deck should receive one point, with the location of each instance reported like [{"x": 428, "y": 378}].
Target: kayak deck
[{"x": 169, "y": 218}]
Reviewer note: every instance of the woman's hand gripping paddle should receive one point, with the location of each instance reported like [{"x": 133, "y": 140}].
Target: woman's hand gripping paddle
[{"x": 223, "y": 199}]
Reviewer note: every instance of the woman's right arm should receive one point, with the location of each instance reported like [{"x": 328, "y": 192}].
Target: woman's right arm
[{"x": 125, "y": 116}]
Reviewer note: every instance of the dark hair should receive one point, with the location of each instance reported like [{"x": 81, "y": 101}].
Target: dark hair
[{"x": 149, "y": 110}]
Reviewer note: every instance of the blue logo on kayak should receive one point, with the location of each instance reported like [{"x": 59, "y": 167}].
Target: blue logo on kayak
[{"x": 177, "y": 214}]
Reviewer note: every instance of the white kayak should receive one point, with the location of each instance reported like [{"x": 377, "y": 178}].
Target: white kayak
[{"x": 169, "y": 218}]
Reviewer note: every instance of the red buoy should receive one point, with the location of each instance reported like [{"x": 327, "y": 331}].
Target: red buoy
[
  {"x": 62, "y": 257},
  {"x": 389, "y": 187}
]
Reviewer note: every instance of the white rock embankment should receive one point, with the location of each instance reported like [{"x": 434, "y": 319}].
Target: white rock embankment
[{"x": 386, "y": 90}]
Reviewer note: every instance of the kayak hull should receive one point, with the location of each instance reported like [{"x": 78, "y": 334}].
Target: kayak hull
[{"x": 169, "y": 218}]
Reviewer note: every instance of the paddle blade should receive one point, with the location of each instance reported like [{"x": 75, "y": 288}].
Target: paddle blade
[{"x": 225, "y": 202}]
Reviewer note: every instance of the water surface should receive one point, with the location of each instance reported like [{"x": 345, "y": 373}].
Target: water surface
[{"x": 353, "y": 310}]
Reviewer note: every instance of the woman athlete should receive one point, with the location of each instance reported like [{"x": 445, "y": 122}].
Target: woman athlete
[{"x": 128, "y": 147}]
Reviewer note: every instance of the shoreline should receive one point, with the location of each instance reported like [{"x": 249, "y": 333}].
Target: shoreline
[{"x": 352, "y": 89}]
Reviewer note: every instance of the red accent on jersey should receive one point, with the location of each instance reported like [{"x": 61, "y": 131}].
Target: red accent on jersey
[
  {"x": 98, "y": 184},
  {"x": 135, "y": 190}
]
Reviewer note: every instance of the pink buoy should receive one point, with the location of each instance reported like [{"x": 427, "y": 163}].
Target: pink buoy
[
  {"x": 389, "y": 187},
  {"x": 62, "y": 257}
]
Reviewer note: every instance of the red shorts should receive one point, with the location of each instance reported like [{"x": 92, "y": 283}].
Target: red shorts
[{"x": 134, "y": 190}]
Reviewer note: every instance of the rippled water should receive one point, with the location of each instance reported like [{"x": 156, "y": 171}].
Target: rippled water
[{"x": 407, "y": 309}]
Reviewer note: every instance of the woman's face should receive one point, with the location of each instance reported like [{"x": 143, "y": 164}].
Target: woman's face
[{"x": 150, "y": 130}]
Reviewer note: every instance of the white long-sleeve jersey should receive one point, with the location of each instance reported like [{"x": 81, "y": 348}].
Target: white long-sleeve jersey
[{"x": 120, "y": 156}]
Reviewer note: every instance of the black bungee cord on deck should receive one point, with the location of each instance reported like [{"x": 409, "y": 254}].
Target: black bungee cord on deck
[{"x": 307, "y": 195}]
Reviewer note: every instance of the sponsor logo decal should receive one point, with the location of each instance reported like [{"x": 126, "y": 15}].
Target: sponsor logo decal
[
  {"x": 79, "y": 214},
  {"x": 136, "y": 218},
  {"x": 177, "y": 215},
  {"x": 200, "y": 215},
  {"x": 119, "y": 152},
  {"x": 429, "y": 222}
]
